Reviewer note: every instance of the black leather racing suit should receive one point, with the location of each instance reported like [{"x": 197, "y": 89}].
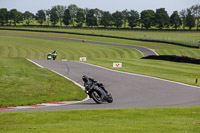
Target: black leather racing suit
[{"x": 91, "y": 83}]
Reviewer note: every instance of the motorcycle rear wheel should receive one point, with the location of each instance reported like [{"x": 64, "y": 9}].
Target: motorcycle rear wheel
[{"x": 96, "y": 97}]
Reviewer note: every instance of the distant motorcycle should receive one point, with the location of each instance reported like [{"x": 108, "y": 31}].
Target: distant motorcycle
[
  {"x": 96, "y": 91},
  {"x": 49, "y": 56}
]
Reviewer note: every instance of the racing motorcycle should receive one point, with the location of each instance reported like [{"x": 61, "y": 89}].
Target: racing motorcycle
[
  {"x": 96, "y": 91},
  {"x": 49, "y": 56},
  {"x": 54, "y": 55}
]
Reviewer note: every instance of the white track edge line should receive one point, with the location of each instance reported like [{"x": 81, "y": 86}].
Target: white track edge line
[
  {"x": 153, "y": 51},
  {"x": 74, "y": 83},
  {"x": 68, "y": 102},
  {"x": 35, "y": 63},
  {"x": 140, "y": 75}
]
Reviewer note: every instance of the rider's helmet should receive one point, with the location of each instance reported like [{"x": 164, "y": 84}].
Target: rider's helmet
[{"x": 85, "y": 78}]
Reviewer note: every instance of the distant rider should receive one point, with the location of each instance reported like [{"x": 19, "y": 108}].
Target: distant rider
[{"x": 54, "y": 54}]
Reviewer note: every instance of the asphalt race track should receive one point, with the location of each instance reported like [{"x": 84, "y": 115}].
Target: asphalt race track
[{"x": 128, "y": 90}]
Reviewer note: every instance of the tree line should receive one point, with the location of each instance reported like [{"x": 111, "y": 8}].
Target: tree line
[{"x": 78, "y": 17}]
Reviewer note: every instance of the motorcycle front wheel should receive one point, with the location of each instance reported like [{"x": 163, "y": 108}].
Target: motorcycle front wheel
[{"x": 109, "y": 98}]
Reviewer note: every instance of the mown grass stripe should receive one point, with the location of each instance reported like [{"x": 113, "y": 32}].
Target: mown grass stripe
[{"x": 5, "y": 51}]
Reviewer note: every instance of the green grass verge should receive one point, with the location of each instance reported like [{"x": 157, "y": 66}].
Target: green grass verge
[
  {"x": 149, "y": 120},
  {"x": 23, "y": 83},
  {"x": 187, "y": 38}
]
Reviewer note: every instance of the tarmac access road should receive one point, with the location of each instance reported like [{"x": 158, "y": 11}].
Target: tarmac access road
[{"x": 128, "y": 90}]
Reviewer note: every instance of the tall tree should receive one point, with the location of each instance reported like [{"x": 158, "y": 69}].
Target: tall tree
[
  {"x": 3, "y": 16},
  {"x": 117, "y": 19},
  {"x": 15, "y": 16},
  {"x": 190, "y": 19},
  {"x": 40, "y": 16},
  {"x": 60, "y": 12},
  {"x": 54, "y": 16},
  {"x": 91, "y": 20},
  {"x": 86, "y": 10},
  {"x": 183, "y": 14},
  {"x": 73, "y": 9},
  {"x": 106, "y": 19},
  {"x": 67, "y": 17},
  {"x": 28, "y": 17},
  {"x": 162, "y": 18},
  {"x": 133, "y": 18},
  {"x": 98, "y": 14},
  {"x": 147, "y": 18},
  {"x": 80, "y": 18},
  {"x": 175, "y": 20},
  {"x": 48, "y": 13},
  {"x": 125, "y": 16},
  {"x": 196, "y": 12}
]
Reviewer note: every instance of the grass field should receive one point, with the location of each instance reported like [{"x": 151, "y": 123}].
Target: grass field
[
  {"x": 187, "y": 38},
  {"x": 149, "y": 120},
  {"x": 161, "y": 48},
  {"x": 18, "y": 78},
  {"x": 22, "y": 83}
]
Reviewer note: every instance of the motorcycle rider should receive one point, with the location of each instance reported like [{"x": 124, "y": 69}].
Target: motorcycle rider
[
  {"x": 88, "y": 83},
  {"x": 54, "y": 54}
]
